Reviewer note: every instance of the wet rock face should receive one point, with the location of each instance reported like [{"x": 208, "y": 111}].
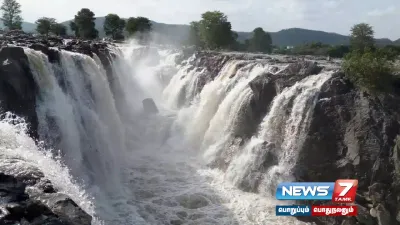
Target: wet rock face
[
  {"x": 19, "y": 206},
  {"x": 302, "y": 68},
  {"x": 352, "y": 136},
  {"x": 17, "y": 86}
]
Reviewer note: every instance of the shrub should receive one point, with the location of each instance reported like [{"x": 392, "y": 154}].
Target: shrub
[{"x": 370, "y": 70}]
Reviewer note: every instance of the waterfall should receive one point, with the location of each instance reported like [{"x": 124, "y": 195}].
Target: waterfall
[
  {"x": 198, "y": 161},
  {"x": 206, "y": 105},
  {"x": 83, "y": 115},
  {"x": 78, "y": 116},
  {"x": 285, "y": 127}
]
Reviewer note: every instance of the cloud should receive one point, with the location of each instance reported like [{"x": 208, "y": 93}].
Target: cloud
[{"x": 383, "y": 12}]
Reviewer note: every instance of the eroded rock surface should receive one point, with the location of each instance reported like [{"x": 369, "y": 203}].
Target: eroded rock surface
[{"x": 26, "y": 197}]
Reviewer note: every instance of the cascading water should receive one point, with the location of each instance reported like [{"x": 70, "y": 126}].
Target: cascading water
[
  {"x": 84, "y": 115},
  {"x": 284, "y": 126},
  {"x": 77, "y": 114},
  {"x": 153, "y": 169}
]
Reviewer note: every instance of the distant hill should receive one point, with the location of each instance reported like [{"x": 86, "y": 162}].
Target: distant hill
[
  {"x": 298, "y": 36},
  {"x": 26, "y": 26},
  {"x": 178, "y": 33}
]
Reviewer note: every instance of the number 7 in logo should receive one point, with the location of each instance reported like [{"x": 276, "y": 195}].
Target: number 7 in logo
[{"x": 344, "y": 191}]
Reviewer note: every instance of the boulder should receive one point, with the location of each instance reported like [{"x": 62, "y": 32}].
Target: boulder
[
  {"x": 69, "y": 212},
  {"x": 149, "y": 106},
  {"x": 17, "y": 204},
  {"x": 302, "y": 68},
  {"x": 52, "y": 54}
]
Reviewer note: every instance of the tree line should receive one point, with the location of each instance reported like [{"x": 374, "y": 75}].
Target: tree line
[
  {"x": 83, "y": 25},
  {"x": 213, "y": 32}
]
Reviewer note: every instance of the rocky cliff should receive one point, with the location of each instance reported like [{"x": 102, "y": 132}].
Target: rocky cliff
[{"x": 352, "y": 134}]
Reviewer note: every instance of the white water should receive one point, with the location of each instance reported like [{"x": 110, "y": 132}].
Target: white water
[
  {"x": 285, "y": 126},
  {"x": 132, "y": 168},
  {"x": 20, "y": 156}
]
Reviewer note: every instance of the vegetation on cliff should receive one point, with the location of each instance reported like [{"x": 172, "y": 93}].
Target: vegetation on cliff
[{"x": 367, "y": 66}]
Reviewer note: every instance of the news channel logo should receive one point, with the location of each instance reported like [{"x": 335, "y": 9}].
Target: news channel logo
[{"x": 341, "y": 191}]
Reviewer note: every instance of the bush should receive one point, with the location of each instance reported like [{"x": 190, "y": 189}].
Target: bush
[
  {"x": 338, "y": 51},
  {"x": 371, "y": 70}
]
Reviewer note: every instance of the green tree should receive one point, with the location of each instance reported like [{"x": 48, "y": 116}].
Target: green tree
[
  {"x": 215, "y": 30},
  {"x": 138, "y": 25},
  {"x": 114, "y": 26},
  {"x": 59, "y": 29},
  {"x": 261, "y": 41},
  {"x": 44, "y": 25},
  {"x": 11, "y": 14},
  {"x": 338, "y": 51},
  {"x": 84, "y": 24},
  {"x": 74, "y": 28},
  {"x": 362, "y": 37},
  {"x": 392, "y": 52},
  {"x": 194, "y": 35}
]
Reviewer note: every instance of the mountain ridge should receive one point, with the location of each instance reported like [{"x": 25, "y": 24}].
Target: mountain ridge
[{"x": 178, "y": 33}]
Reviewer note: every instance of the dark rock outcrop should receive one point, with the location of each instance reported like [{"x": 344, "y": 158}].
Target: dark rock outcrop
[
  {"x": 17, "y": 86},
  {"x": 149, "y": 106},
  {"x": 352, "y": 136},
  {"x": 302, "y": 68},
  {"x": 18, "y": 204},
  {"x": 50, "y": 45},
  {"x": 27, "y": 197}
]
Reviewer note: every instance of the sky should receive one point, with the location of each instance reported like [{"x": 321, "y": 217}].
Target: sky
[{"x": 272, "y": 15}]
